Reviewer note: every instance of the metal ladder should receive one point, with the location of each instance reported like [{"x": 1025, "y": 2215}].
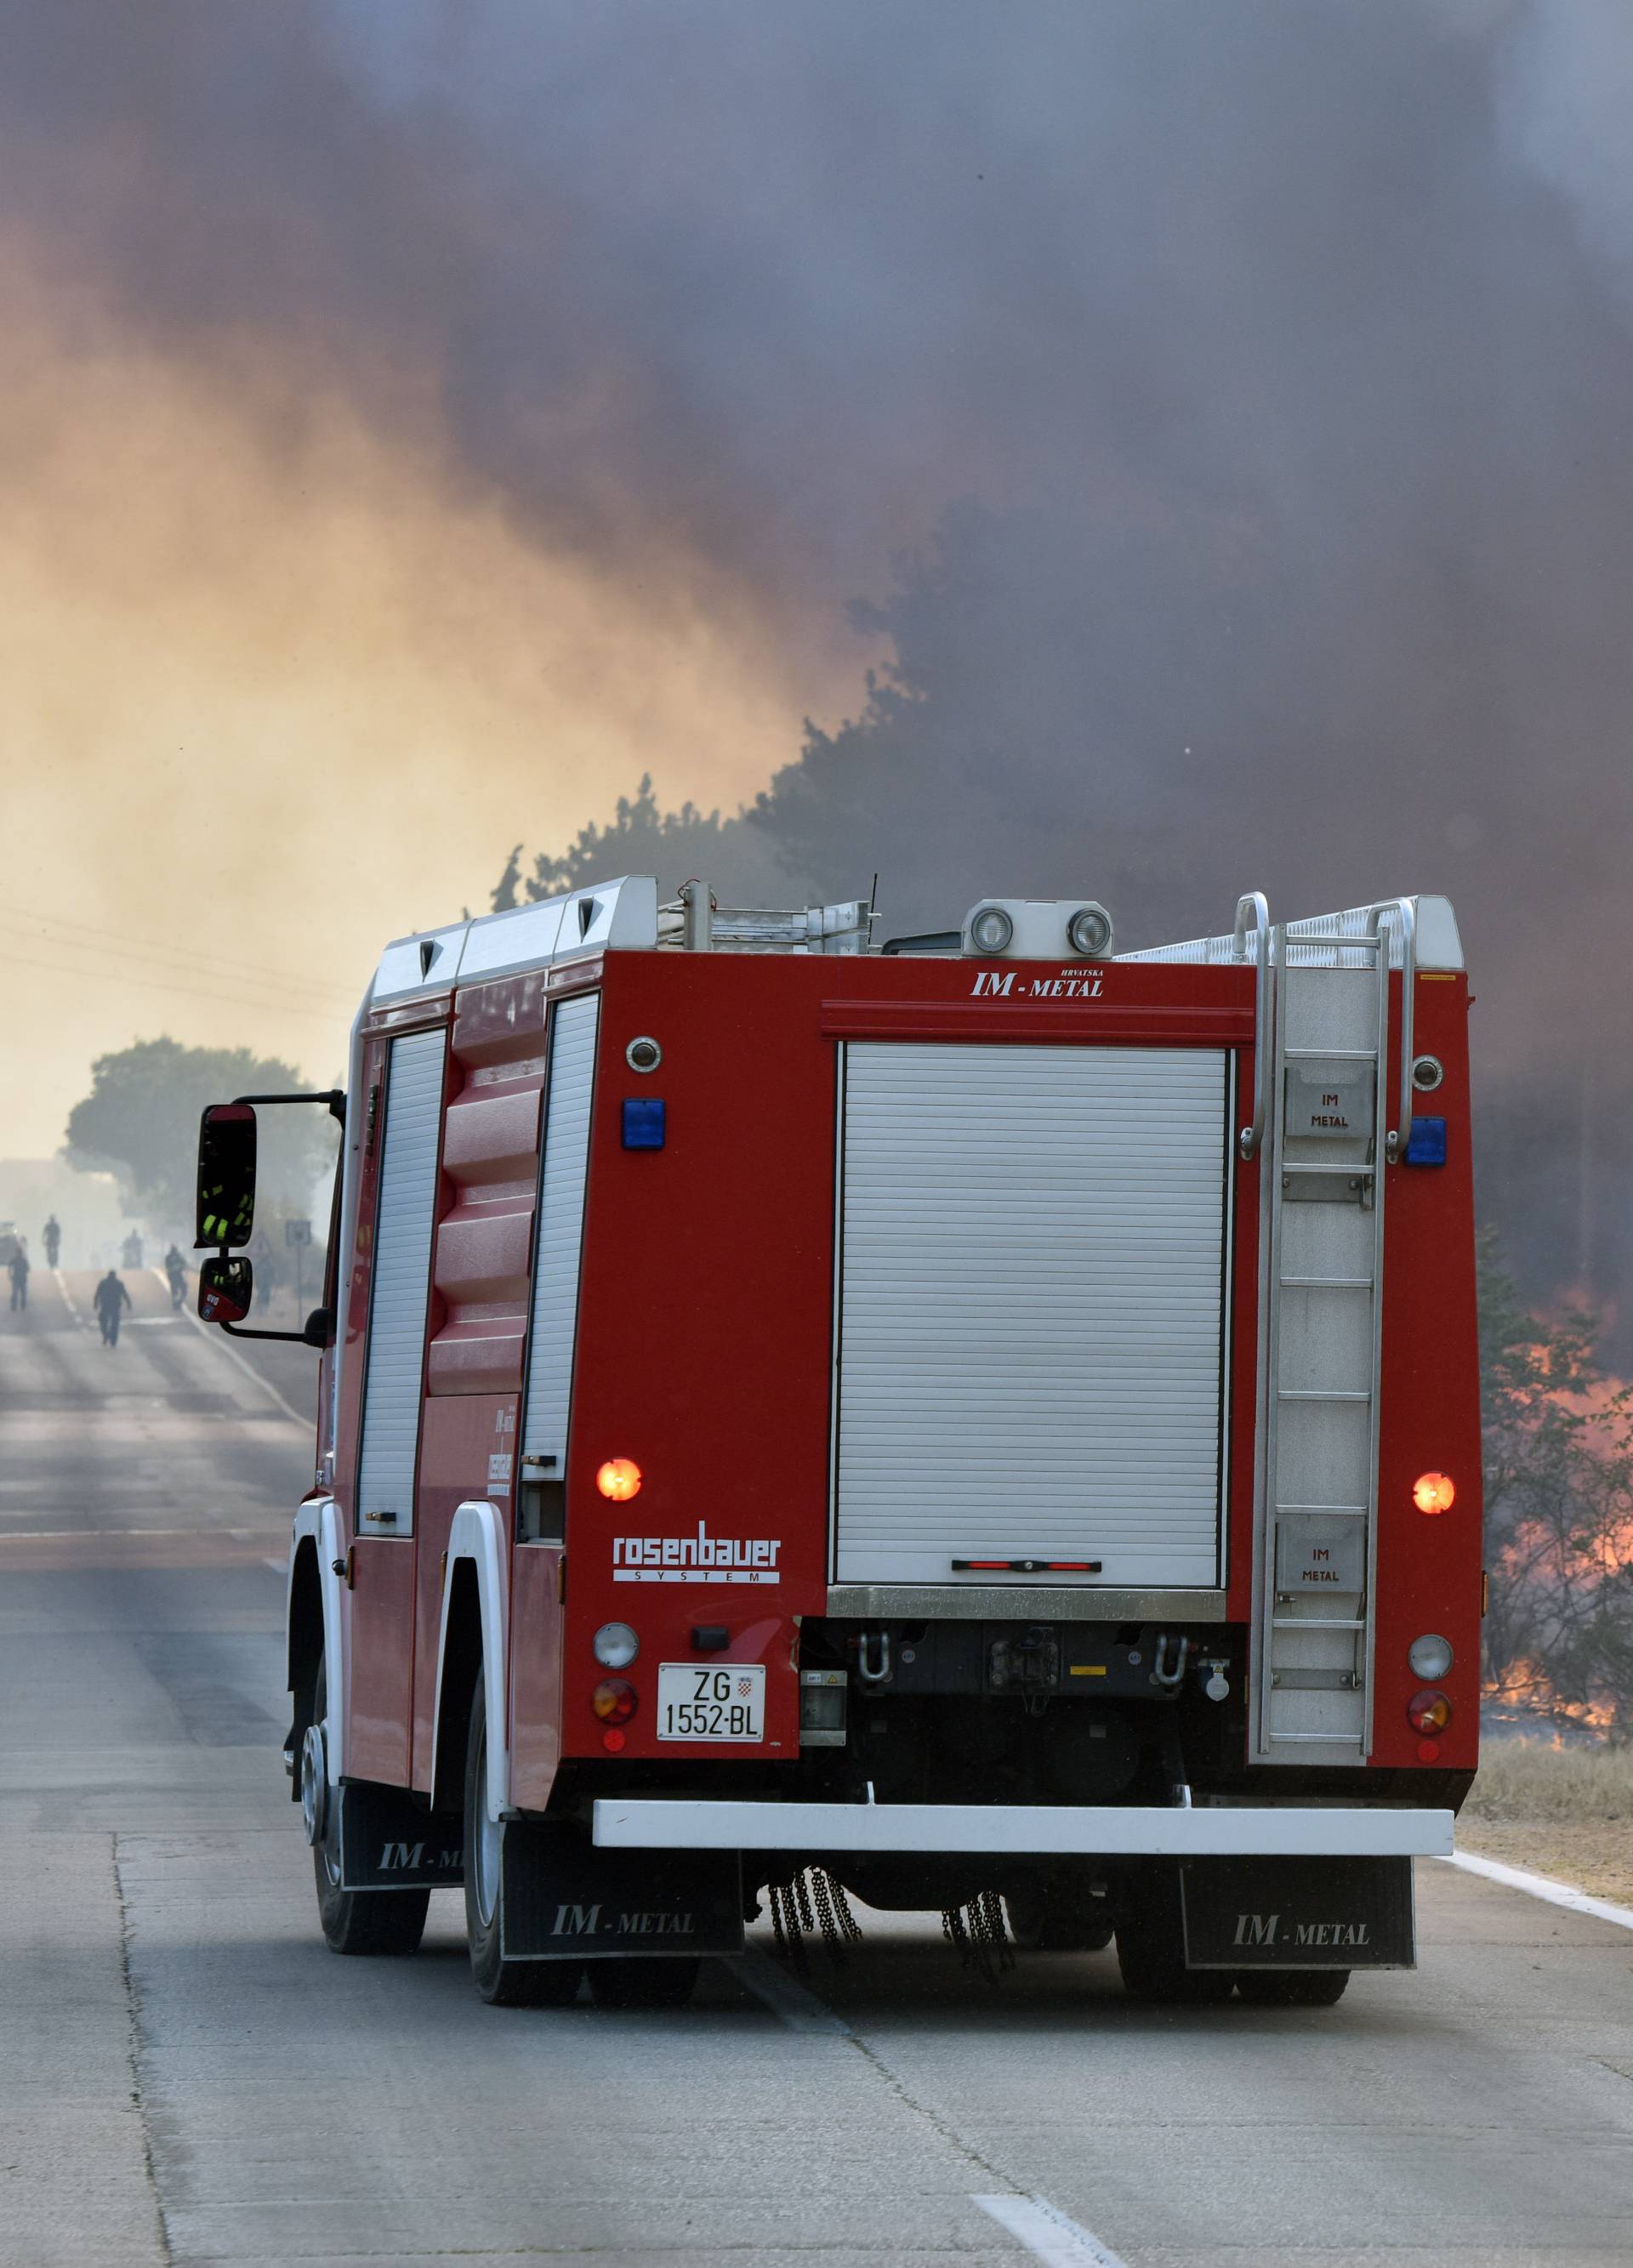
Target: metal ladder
[{"x": 1323, "y": 1108}]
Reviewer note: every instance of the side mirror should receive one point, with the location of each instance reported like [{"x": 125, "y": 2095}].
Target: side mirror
[
  {"x": 226, "y": 1176},
  {"x": 320, "y": 1327},
  {"x": 225, "y": 1288}
]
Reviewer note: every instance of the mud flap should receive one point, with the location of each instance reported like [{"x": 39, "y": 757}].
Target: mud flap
[
  {"x": 1298, "y": 1913},
  {"x": 388, "y": 1842},
  {"x": 564, "y": 1899}
]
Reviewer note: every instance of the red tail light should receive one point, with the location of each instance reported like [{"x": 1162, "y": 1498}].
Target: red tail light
[
  {"x": 1429, "y": 1712},
  {"x": 615, "y": 1700}
]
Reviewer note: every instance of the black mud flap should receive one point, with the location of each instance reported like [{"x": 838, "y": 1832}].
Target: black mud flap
[
  {"x": 1298, "y": 1913},
  {"x": 388, "y": 1842},
  {"x": 564, "y": 1899}
]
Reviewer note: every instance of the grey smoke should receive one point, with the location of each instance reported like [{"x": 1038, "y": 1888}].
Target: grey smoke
[{"x": 1241, "y": 389}]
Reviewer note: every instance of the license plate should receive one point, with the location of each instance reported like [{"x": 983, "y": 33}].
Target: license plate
[{"x": 724, "y": 1702}]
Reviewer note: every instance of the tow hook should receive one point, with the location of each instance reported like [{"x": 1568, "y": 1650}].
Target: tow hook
[
  {"x": 1217, "y": 1685},
  {"x": 1161, "y": 1673},
  {"x": 867, "y": 1670}
]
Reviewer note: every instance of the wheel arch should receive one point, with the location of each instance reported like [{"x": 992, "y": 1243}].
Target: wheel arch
[
  {"x": 314, "y": 1621},
  {"x": 472, "y": 1628}
]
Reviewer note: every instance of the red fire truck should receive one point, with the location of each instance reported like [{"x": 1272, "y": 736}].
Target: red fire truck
[{"x": 975, "y": 1421}]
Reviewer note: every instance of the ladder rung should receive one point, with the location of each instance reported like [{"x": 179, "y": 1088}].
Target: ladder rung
[
  {"x": 1354, "y": 1739},
  {"x": 1309, "y": 1622},
  {"x": 1329, "y": 1055},
  {"x": 1324, "y": 1283},
  {"x": 1328, "y": 1511},
  {"x": 1298, "y": 1166},
  {"x": 1317, "y": 1394}
]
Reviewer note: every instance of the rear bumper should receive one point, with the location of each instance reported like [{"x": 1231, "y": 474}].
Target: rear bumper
[{"x": 1312, "y": 1831}]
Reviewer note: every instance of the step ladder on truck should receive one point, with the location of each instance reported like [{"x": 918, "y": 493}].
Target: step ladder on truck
[{"x": 973, "y": 1421}]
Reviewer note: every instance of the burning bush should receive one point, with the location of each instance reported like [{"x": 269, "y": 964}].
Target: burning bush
[{"x": 1559, "y": 1514}]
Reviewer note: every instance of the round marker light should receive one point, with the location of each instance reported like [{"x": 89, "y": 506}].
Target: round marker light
[
  {"x": 1430, "y": 1657},
  {"x": 615, "y": 1700},
  {"x": 1433, "y": 1492},
  {"x": 615, "y": 1645},
  {"x": 619, "y": 1479},
  {"x": 1089, "y": 931},
  {"x": 1429, "y": 1712},
  {"x": 1427, "y": 1750},
  {"x": 991, "y": 930},
  {"x": 613, "y": 1742}
]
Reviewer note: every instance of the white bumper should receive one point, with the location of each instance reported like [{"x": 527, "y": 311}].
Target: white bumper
[{"x": 648, "y": 1822}]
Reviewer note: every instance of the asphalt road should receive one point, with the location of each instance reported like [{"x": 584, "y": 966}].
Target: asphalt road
[{"x": 187, "y": 2075}]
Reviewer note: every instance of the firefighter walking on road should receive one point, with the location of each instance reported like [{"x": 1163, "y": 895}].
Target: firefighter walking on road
[
  {"x": 175, "y": 1268},
  {"x": 16, "y": 1268},
  {"x": 112, "y": 1299},
  {"x": 52, "y": 1238}
]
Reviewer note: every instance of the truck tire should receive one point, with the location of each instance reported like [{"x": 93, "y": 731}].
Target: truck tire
[
  {"x": 358, "y": 1921},
  {"x": 1150, "y": 1948},
  {"x": 1041, "y": 1921},
  {"x": 1292, "y": 1988},
  {"x": 503, "y": 1984}
]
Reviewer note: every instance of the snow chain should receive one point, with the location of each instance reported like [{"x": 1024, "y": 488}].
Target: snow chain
[
  {"x": 979, "y": 1935},
  {"x": 791, "y": 1905}
]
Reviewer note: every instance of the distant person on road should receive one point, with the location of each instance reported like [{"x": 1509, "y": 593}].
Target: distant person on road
[
  {"x": 175, "y": 1267},
  {"x": 52, "y": 1237},
  {"x": 133, "y": 1250},
  {"x": 16, "y": 1268},
  {"x": 112, "y": 1300}
]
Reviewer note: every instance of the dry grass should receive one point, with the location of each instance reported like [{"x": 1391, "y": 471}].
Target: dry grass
[
  {"x": 1565, "y": 1812},
  {"x": 1531, "y": 1781}
]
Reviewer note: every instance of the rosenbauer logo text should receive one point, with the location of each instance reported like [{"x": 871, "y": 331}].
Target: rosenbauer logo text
[{"x": 700, "y": 1559}]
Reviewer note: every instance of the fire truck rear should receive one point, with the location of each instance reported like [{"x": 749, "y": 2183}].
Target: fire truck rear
[{"x": 975, "y": 1423}]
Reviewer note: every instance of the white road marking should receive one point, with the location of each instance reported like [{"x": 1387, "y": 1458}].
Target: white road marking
[
  {"x": 205, "y": 1330},
  {"x": 1542, "y": 1886},
  {"x": 278, "y": 1566},
  {"x": 1047, "y": 2234},
  {"x": 799, "y": 2008},
  {"x": 67, "y": 1299}
]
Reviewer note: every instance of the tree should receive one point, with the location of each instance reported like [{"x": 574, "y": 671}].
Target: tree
[
  {"x": 739, "y": 858},
  {"x": 1558, "y": 1440},
  {"x": 141, "y": 1120}
]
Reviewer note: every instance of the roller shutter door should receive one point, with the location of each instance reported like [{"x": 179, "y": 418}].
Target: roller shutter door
[
  {"x": 561, "y": 1230},
  {"x": 1030, "y": 1320},
  {"x": 404, "y": 1220}
]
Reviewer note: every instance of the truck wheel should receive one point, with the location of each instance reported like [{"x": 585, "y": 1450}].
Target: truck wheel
[
  {"x": 660, "y": 1981},
  {"x": 354, "y": 1921},
  {"x": 1150, "y": 1948},
  {"x": 504, "y": 1983},
  {"x": 1043, "y": 1922},
  {"x": 1292, "y": 1988}
]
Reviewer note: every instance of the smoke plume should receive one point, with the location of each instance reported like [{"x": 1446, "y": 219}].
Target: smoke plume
[{"x": 1239, "y": 394}]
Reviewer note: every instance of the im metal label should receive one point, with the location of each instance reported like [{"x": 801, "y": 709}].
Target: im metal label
[
  {"x": 1329, "y": 1102},
  {"x": 1314, "y": 1553}
]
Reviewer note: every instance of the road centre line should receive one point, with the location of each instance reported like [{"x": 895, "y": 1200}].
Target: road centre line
[
  {"x": 1541, "y": 1885},
  {"x": 67, "y": 1299},
  {"x": 1046, "y": 2233},
  {"x": 785, "y": 1996}
]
